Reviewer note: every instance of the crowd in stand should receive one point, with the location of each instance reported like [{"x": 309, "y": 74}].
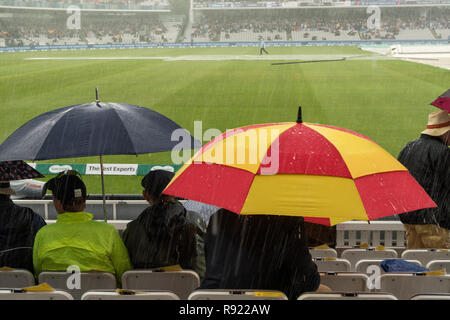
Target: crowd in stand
[{"x": 120, "y": 4}]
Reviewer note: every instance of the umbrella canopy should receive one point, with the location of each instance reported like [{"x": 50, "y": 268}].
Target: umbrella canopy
[
  {"x": 325, "y": 173},
  {"x": 91, "y": 129},
  {"x": 17, "y": 170},
  {"x": 443, "y": 101}
]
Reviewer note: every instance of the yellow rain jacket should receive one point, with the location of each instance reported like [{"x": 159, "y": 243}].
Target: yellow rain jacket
[{"x": 76, "y": 239}]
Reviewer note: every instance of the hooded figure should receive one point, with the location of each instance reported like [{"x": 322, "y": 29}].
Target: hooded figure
[
  {"x": 165, "y": 233},
  {"x": 18, "y": 228},
  {"x": 428, "y": 161}
]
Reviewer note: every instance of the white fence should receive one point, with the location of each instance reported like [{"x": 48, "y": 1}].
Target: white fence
[{"x": 390, "y": 234}]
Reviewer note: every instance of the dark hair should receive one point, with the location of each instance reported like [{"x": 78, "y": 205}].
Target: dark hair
[{"x": 155, "y": 182}]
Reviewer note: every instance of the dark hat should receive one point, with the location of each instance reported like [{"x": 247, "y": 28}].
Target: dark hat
[
  {"x": 66, "y": 188},
  {"x": 156, "y": 181}
]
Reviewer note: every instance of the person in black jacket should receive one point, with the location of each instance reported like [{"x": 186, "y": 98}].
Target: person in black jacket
[
  {"x": 428, "y": 161},
  {"x": 258, "y": 252},
  {"x": 165, "y": 233},
  {"x": 18, "y": 228}
]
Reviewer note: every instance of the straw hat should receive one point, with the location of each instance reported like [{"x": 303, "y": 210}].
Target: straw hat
[
  {"x": 5, "y": 188},
  {"x": 438, "y": 123}
]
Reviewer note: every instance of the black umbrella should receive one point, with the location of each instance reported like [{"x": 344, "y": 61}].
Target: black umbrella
[{"x": 93, "y": 129}]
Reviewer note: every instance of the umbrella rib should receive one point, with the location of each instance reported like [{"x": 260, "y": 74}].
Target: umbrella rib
[{"x": 125, "y": 128}]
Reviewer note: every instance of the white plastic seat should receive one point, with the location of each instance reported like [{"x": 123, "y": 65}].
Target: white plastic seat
[
  {"x": 11, "y": 294},
  {"x": 182, "y": 283},
  {"x": 128, "y": 295},
  {"x": 88, "y": 281},
  {"x": 406, "y": 285},
  {"x": 363, "y": 265},
  {"x": 236, "y": 294},
  {"x": 346, "y": 296},
  {"x": 323, "y": 253},
  {"x": 355, "y": 255},
  {"x": 337, "y": 265},
  {"x": 442, "y": 296},
  {"x": 426, "y": 255},
  {"x": 345, "y": 281},
  {"x": 16, "y": 278},
  {"x": 435, "y": 265}
]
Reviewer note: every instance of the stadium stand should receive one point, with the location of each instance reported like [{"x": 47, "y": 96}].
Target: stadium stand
[
  {"x": 223, "y": 294},
  {"x": 128, "y": 295},
  {"x": 15, "y": 278},
  {"x": 426, "y": 255},
  {"x": 182, "y": 283},
  {"x": 88, "y": 281},
  {"x": 406, "y": 285},
  {"x": 347, "y": 296}
]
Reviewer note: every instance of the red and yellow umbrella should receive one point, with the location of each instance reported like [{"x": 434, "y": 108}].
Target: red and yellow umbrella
[{"x": 325, "y": 173}]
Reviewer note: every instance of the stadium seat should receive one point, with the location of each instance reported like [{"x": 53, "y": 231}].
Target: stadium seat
[
  {"x": 426, "y": 255},
  {"x": 435, "y": 265},
  {"x": 355, "y": 255},
  {"x": 12, "y": 294},
  {"x": 332, "y": 265},
  {"x": 322, "y": 253},
  {"x": 128, "y": 295},
  {"x": 182, "y": 283},
  {"x": 236, "y": 294},
  {"x": 347, "y": 296},
  {"x": 15, "y": 278},
  {"x": 345, "y": 281},
  {"x": 406, "y": 285},
  {"x": 88, "y": 281},
  {"x": 363, "y": 265},
  {"x": 442, "y": 296}
]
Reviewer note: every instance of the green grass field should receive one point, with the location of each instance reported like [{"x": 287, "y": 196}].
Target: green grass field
[{"x": 386, "y": 100}]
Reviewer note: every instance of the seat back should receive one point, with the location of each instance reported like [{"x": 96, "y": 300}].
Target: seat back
[
  {"x": 345, "y": 281},
  {"x": 362, "y": 266},
  {"x": 182, "y": 283},
  {"x": 435, "y": 265},
  {"x": 87, "y": 281},
  {"x": 355, "y": 255},
  {"x": 426, "y": 255},
  {"x": 406, "y": 285},
  {"x": 347, "y": 296},
  {"x": 16, "y": 278},
  {"x": 441, "y": 296},
  {"x": 322, "y": 253},
  {"x": 11, "y": 294},
  {"x": 236, "y": 294},
  {"x": 332, "y": 265},
  {"x": 128, "y": 295}
]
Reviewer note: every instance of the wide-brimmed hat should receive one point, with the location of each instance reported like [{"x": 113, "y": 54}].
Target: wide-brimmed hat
[
  {"x": 5, "y": 188},
  {"x": 438, "y": 123}
]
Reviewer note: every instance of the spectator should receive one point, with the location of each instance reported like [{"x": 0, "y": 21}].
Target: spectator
[
  {"x": 428, "y": 161},
  {"x": 76, "y": 239},
  {"x": 258, "y": 252},
  {"x": 18, "y": 228},
  {"x": 165, "y": 233}
]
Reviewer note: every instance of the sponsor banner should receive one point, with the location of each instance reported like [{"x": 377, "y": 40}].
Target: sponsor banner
[{"x": 120, "y": 169}]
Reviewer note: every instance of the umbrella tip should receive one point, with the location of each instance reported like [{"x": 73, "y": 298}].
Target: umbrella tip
[
  {"x": 299, "y": 116},
  {"x": 96, "y": 96}
]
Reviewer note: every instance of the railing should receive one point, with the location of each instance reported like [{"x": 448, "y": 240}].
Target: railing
[{"x": 390, "y": 234}]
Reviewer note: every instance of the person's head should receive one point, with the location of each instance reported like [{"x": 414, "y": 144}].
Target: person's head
[
  {"x": 69, "y": 192},
  {"x": 154, "y": 183},
  {"x": 5, "y": 189},
  {"x": 439, "y": 125}
]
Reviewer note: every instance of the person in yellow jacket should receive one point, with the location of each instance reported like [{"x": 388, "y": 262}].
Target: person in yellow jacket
[{"x": 75, "y": 239}]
